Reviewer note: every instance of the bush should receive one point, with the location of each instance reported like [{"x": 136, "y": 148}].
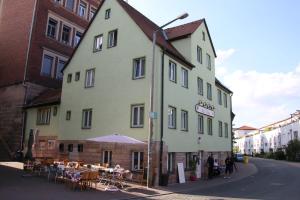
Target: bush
[
  {"x": 279, "y": 155},
  {"x": 293, "y": 150}
]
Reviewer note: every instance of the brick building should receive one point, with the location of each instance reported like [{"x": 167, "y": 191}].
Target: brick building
[{"x": 37, "y": 37}]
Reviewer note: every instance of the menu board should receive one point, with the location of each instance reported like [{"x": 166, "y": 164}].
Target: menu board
[{"x": 181, "y": 173}]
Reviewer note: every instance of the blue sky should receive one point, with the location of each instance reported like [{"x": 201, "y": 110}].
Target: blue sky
[{"x": 258, "y": 47}]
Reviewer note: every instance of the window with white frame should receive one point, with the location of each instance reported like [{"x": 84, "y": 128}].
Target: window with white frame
[
  {"x": 137, "y": 116},
  {"x": 139, "y": 68},
  {"x": 137, "y": 161},
  {"x": 200, "y": 124},
  {"x": 112, "y": 38},
  {"x": 225, "y": 99},
  {"x": 209, "y": 92},
  {"x": 200, "y": 86},
  {"x": 107, "y": 13},
  {"x": 70, "y": 4},
  {"x": 87, "y": 118},
  {"x": 184, "y": 78},
  {"x": 219, "y": 97},
  {"x": 82, "y": 9},
  {"x": 77, "y": 38},
  {"x": 184, "y": 120},
  {"x": 48, "y": 62},
  {"x": 43, "y": 116},
  {"x": 60, "y": 66},
  {"x": 226, "y": 130},
  {"x": 199, "y": 54},
  {"x": 208, "y": 60},
  {"x": 107, "y": 157},
  {"x": 66, "y": 34},
  {"x": 90, "y": 78},
  {"x": 220, "y": 129},
  {"x": 98, "y": 43},
  {"x": 171, "y": 163},
  {"x": 209, "y": 126},
  {"x": 172, "y": 117},
  {"x": 172, "y": 71},
  {"x": 52, "y": 28}
]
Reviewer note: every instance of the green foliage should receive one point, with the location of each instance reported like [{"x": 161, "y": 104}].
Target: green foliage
[
  {"x": 293, "y": 150},
  {"x": 279, "y": 155},
  {"x": 236, "y": 149}
]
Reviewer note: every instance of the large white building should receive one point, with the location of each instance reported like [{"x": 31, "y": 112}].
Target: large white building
[{"x": 271, "y": 137}]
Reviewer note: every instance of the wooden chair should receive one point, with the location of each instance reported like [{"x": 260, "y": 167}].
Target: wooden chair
[{"x": 93, "y": 178}]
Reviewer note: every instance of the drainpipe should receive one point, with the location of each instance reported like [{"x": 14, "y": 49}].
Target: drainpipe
[
  {"x": 24, "y": 114},
  {"x": 161, "y": 117}
]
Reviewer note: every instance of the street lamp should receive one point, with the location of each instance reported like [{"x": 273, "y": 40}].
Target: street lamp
[{"x": 152, "y": 115}]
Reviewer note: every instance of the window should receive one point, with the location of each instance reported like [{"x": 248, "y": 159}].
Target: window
[
  {"x": 208, "y": 61},
  {"x": 200, "y": 86},
  {"x": 137, "y": 116},
  {"x": 200, "y": 124},
  {"x": 209, "y": 126},
  {"x": 226, "y": 130},
  {"x": 69, "y": 78},
  {"x": 77, "y": 76},
  {"x": 209, "y": 93},
  {"x": 98, "y": 43},
  {"x": 43, "y": 116},
  {"x": 220, "y": 129},
  {"x": 184, "y": 120},
  {"x": 82, "y": 9},
  {"x": 87, "y": 118},
  {"x": 199, "y": 54},
  {"x": 171, "y": 163},
  {"x": 77, "y": 38},
  {"x": 52, "y": 27},
  {"x": 90, "y": 78},
  {"x": 51, "y": 145},
  {"x": 80, "y": 147},
  {"x": 58, "y": 1},
  {"x": 295, "y": 135},
  {"x": 107, "y": 14},
  {"x": 172, "y": 117},
  {"x": 66, "y": 34},
  {"x": 107, "y": 157},
  {"x": 68, "y": 115},
  {"x": 188, "y": 159},
  {"x": 112, "y": 38},
  {"x": 172, "y": 71},
  {"x": 219, "y": 97},
  {"x": 61, "y": 147},
  {"x": 54, "y": 110},
  {"x": 184, "y": 78},
  {"x": 70, "y": 4},
  {"x": 92, "y": 13},
  {"x": 203, "y": 35},
  {"x": 60, "y": 66},
  {"x": 70, "y": 147},
  {"x": 137, "y": 161},
  {"x": 225, "y": 99},
  {"x": 48, "y": 62},
  {"x": 139, "y": 68}
]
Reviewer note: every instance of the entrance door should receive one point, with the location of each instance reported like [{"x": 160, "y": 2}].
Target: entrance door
[{"x": 199, "y": 164}]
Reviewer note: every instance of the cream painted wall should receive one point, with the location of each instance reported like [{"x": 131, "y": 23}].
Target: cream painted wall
[{"x": 44, "y": 130}]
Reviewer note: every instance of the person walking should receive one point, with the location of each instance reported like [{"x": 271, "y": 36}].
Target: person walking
[
  {"x": 227, "y": 167},
  {"x": 210, "y": 163}
]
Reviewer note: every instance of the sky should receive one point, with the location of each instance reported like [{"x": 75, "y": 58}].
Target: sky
[{"x": 258, "y": 49}]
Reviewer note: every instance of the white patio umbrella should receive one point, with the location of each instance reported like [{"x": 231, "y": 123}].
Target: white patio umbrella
[{"x": 116, "y": 138}]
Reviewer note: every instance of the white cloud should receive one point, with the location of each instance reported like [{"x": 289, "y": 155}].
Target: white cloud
[
  {"x": 262, "y": 98},
  {"x": 223, "y": 55}
]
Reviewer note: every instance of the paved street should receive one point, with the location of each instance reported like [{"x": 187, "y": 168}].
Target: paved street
[{"x": 268, "y": 180}]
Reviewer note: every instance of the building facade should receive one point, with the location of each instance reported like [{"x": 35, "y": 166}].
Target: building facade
[
  {"x": 271, "y": 137},
  {"x": 37, "y": 38},
  {"x": 106, "y": 90}
]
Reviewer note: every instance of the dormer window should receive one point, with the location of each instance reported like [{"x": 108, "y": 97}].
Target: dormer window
[{"x": 107, "y": 14}]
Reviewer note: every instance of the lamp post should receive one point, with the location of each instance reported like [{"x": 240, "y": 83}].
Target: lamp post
[{"x": 152, "y": 115}]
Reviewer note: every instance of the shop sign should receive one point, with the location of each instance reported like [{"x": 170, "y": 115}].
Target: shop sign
[{"x": 205, "y": 111}]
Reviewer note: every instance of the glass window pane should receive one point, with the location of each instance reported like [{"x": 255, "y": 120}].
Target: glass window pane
[{"x": 47, "y": 65}]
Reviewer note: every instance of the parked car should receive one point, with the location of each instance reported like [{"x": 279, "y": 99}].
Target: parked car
[{"x": 239, "y": 157}]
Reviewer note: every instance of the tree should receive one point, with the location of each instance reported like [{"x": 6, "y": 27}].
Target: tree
[{"x": 292, "y": 150}]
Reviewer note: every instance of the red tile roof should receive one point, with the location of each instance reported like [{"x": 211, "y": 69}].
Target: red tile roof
[
  {"x": 183, "y": 30},
  {"x": 148, "y": 27},
  {"x": 50, "y": 96},
  {"x": 246, "y": 128}
]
